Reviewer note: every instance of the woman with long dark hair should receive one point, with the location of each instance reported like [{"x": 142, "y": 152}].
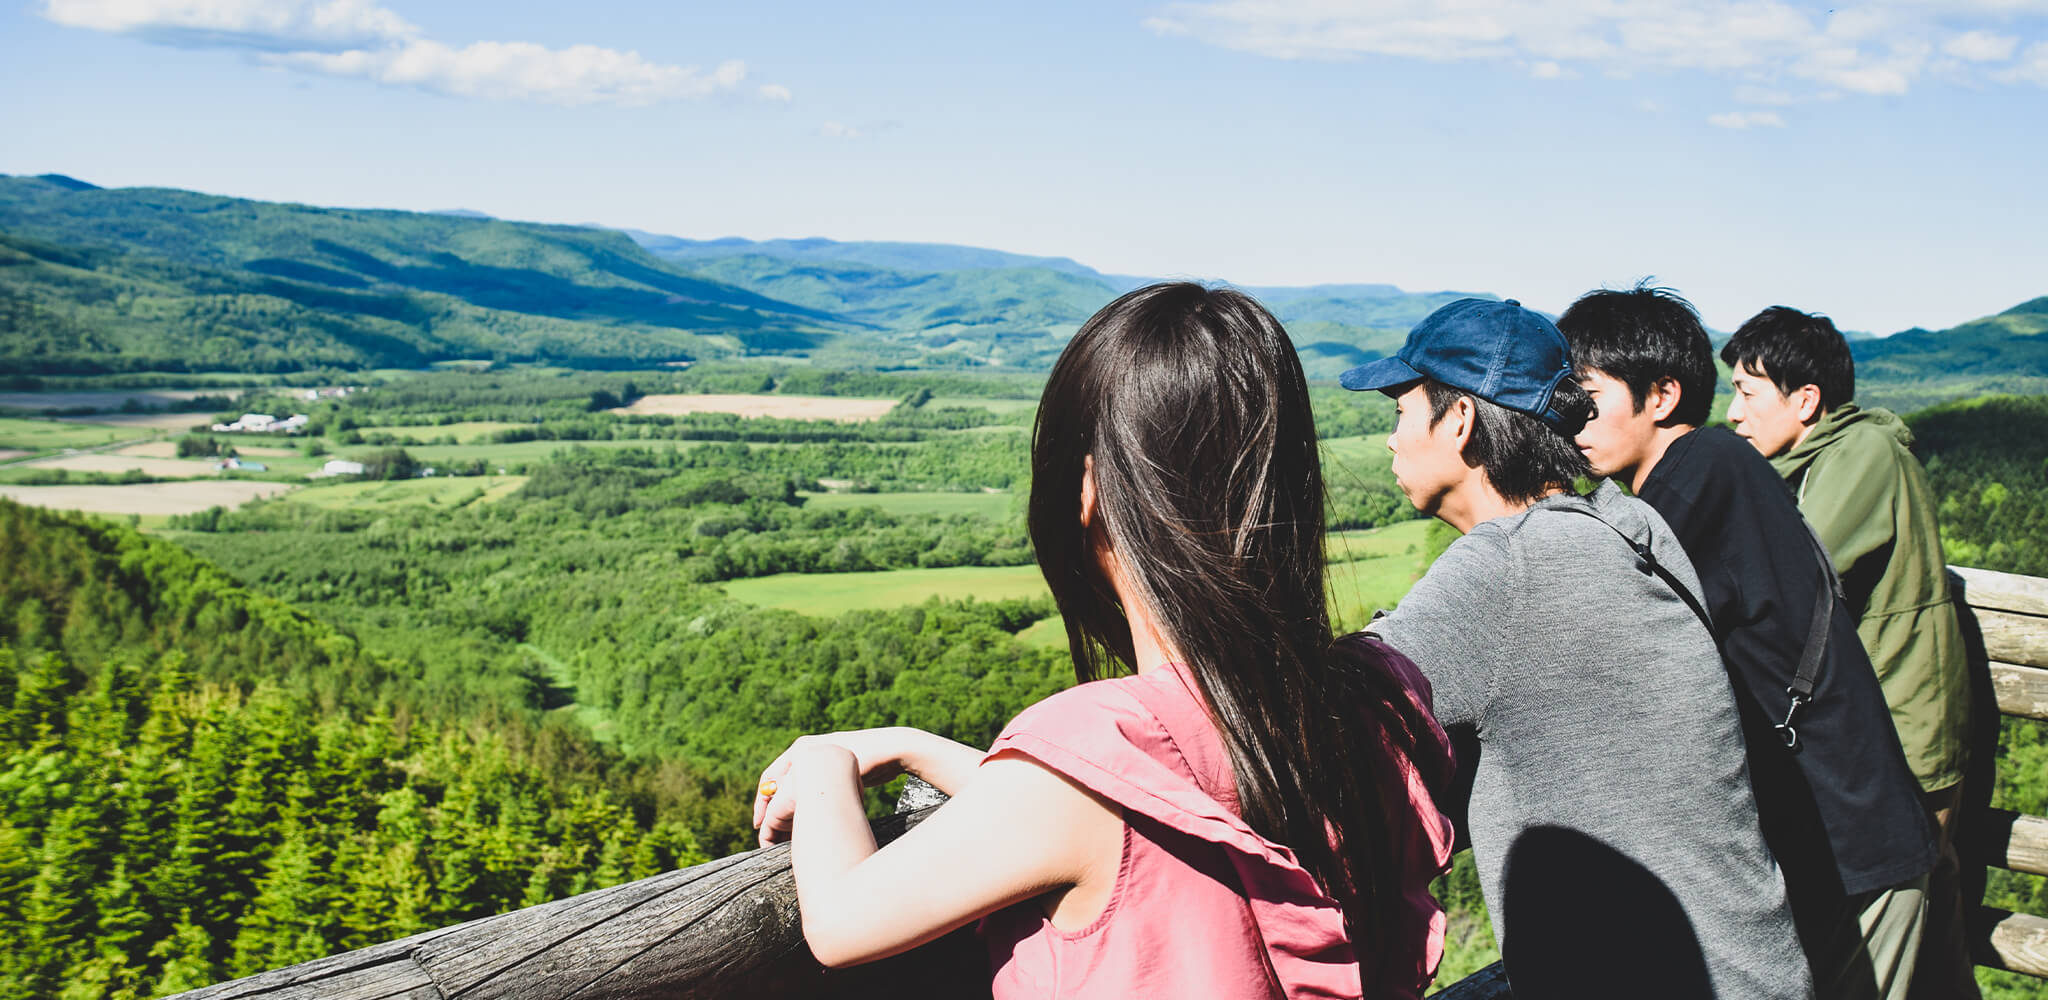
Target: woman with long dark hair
[{"x": 1232, "y": 803}]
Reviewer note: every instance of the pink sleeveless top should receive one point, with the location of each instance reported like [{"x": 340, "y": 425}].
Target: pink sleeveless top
[{"x": 1203, "y": 906}]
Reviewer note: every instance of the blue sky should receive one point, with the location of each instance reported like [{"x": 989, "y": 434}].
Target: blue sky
[{"x": 1884, "y": 163}]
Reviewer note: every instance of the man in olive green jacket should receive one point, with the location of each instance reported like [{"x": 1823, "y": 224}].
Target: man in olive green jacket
[{"x": 1869, "y": 500}]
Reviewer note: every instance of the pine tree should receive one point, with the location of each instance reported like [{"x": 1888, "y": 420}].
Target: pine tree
[{"x": 186, "y": 957}]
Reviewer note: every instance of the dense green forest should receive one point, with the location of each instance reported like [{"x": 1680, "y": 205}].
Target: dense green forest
[
  {"x": 1988, "y": 461},
  {"x": 201, "y": 782}
]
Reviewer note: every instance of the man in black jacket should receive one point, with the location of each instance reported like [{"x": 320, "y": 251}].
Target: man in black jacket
[{"x": 1839, "y": 805}]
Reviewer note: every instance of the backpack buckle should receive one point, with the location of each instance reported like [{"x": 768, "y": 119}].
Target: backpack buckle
[{"x": 1785, "y": 729}]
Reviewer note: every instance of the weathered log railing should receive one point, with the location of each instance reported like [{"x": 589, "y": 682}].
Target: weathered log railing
[
  {"x": 2010, "y": 616},
  {"x": 730, "y": 928}
]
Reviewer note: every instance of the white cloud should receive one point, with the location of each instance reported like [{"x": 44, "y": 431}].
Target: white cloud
[
  {"x": 1547, "y": 70},
  {"x": 1981, "y": 46},
  {"x": 1877, "y": 48},
  {"x": 836, "y": 130},
  {"x": 580, "y": 74},
  {"x": 1746, "y": 119},
  {"x": 261, "y": 24},
  {"x": 358, "y": 39},
  {"x": 2032, "y": 67}
]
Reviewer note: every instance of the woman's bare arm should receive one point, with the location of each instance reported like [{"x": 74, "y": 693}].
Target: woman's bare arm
[{"x": 1016, "y": 831}]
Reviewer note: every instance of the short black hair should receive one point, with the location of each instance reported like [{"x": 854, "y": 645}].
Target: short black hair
[
  {"x": 1639, "y": 336},
  {"x": 1795, "y": 349},
  {"x": 1524, "y": 457}
]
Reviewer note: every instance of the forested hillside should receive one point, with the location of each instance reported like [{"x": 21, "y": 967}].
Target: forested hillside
[
  {"x": 141, "y": 279},
  {"x": 197, "y": 781},
  {"x": 1988, "y": 461},
  {"x": 2002, "y": 353}
]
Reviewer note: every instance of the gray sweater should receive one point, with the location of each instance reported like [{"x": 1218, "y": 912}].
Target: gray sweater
[{"x": 1611, "y": 815}]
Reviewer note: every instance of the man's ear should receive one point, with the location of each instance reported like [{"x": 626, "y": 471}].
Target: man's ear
[
  {"x": 1087, "y": 490},
  {"x": 1662, "y": 398},
  {"x": 1462, "y": 415},
  {"x": 1806, "y": 399}
]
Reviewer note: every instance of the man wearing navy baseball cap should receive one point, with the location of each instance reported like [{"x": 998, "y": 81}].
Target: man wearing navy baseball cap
[{"x": 1610, "y": 812}]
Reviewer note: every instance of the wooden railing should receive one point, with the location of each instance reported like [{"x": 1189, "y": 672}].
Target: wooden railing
[
  {"x": 730, "y": 928},
  {"x": 2008, "y": 626}
]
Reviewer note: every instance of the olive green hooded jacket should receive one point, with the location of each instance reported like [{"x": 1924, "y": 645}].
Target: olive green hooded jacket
[{"x": 1869, "y": 499}]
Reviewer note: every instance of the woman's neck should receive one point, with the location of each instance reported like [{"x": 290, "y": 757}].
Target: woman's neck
[{"x": 1151, "y": 646}]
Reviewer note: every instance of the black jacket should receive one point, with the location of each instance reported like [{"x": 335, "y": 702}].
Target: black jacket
[{"x": 1843, "y": 812}]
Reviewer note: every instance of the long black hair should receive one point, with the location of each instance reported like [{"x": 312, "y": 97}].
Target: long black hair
[{"x": 1192, "y": 405}]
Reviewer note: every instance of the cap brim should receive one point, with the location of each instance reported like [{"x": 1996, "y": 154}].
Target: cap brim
[{"x": 1385, "y": 373}]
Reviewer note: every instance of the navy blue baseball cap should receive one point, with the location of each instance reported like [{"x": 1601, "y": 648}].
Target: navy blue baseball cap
[{"x": 1497, "y": 351}]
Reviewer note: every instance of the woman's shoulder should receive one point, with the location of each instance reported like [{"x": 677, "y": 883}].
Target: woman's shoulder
[
  {"x": 1080, "y": 704},
  {"x": 1137, "y": 712}
]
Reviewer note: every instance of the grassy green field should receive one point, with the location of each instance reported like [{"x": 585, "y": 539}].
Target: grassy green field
[
  {"x": 996, "y": 406},
  {"x": 1365, "y": 457},
  {"x": 827, "y": 594},
  {"x": 991, "y": 505},
  {"x": 466, "y": 432},
  {"x": 1372, "y": 570},
  {"x": 1369, "y": 570},
  {"x": 1050, "y": 632},
  {"x": 50, "y": 435},
  {"x": 445, "y": 491},
  {"x": 523, "y": 451}
]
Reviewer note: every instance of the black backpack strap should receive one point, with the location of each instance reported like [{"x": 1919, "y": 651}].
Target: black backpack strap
[
  {"x": 1808, "y": 672},
  {"x": 1670, "y": 579}
]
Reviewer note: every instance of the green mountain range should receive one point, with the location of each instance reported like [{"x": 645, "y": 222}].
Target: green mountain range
[
  {"x": 975, "y": 303},
  {"x": 99, "y": 280},
  {"x": 96, "y": 280}
]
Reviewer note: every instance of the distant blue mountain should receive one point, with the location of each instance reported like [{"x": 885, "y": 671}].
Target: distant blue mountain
[
  {"x": 68, "y": 183},
  {"x": 919, "y": 257},
  {"x": 966, "y": 298}
]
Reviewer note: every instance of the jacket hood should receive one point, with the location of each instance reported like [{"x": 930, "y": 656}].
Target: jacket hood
[{"x": 1833, "y": 426}]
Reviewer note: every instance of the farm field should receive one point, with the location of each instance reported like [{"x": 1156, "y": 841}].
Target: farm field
[
  {"x": 826, "y": 594},
  {"x": 169, "y": 449},
  {"x": 1374, "y": 571},
  {"x": 145, "y": 498},
  {"x": 516, "y": 453},
  {"x": 1357, "y": 457},
  {"x": 19, "y": 434},
  {"x": 140, "y": 424},
  {"x": 1382, "y": 565},
  {"x": 446, "y": 491},
  {"x": 1048, "y": 632},
  {"x": 792, "y": 407},
  {"x": 1376, "y": 543},
  {"x": 109, "y": 399},
  {"x": 162, "y": 468},
  {"x": 1380, "y": 568},
  {"x": 991, "y": 505},
  {"x": 996, "y": 406},
  {"x": 465, "y": 432}
]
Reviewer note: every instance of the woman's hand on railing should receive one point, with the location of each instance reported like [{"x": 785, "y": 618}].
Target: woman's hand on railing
[{"x": 879, "y": 755}]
